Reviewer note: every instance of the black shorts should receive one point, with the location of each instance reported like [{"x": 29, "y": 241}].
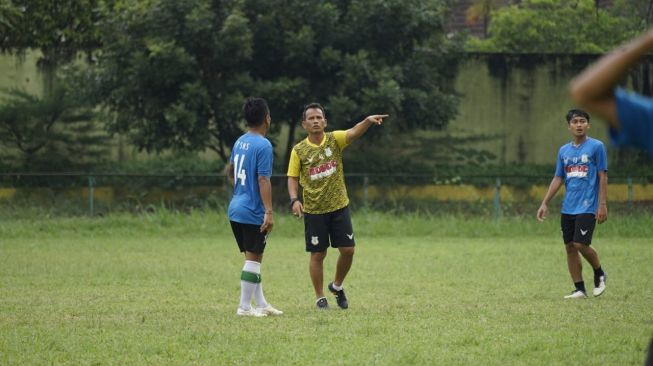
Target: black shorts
[
  {"x": 249, "y": 237},
  {"x": 577, "y": 228},
  {"x": 333, "y": 228}
]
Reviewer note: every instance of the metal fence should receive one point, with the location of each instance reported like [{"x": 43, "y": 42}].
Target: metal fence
[{"x": 497, "y": 195}]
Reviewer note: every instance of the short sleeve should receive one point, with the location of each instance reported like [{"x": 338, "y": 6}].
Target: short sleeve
[
  {"x": 264, "y": 160},
  {"x": 341, "y": 138},
  {"x": 560, "y": 172},
  {"x": 293, "y": 164},
  {"x": 601, "y": 158}
]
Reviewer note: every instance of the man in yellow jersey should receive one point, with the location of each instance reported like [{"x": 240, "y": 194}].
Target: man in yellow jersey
[{"x": 316, "y": 165}]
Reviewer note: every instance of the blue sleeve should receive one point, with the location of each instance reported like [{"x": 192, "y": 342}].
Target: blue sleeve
[
  {"x": 601, "y": 157},
  {"x": 264, "y": 160},
  {"x": 635, "y": 113},
  {"x": 560, "y": 171}
]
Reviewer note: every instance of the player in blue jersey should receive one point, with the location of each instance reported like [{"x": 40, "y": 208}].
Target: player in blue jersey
[
  {"x": 629, "y": 115},
  {"x": 583, "y": 168},
  {"x": 250, "y": 209}
]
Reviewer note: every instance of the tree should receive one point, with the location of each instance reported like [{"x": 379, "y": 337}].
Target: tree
[
  {"x": 59, "y": 29},
  {"x": 58, "y": 123},
  {"x": 358, "y": 57},
  {"x": 9, "y": 16},
  {"x": 555, "y": 26},
  {"x": 174, "y": 74}
]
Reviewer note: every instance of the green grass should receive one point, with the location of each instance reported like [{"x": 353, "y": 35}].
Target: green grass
[{"x": 163, "y": 289}]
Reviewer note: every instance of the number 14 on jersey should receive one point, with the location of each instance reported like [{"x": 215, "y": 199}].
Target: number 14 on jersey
[{"x": 239, "y": 172}]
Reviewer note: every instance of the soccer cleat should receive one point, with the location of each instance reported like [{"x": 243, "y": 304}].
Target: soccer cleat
[
  {"x": 249, "y": 312},
  {"x": 341, "y": 299},
  {"x": 576, "y": 294},
  {"x": 269, "y": 310},
  {"x": 599, "y": 285},
  {"x": 322, "y": 303}
]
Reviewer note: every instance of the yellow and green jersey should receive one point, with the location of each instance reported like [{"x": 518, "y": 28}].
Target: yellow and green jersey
[{"x": 320, "y": 172}]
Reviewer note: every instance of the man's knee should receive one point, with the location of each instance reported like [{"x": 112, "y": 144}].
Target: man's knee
[
  {"x": 347, "y": 251},
  {"x": 318, "y": 256},
  {"x": 571, "y": 248}
]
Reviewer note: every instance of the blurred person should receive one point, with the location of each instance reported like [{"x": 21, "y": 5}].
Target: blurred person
[
  {"x": 316, "y": 165},
  {"x": 582, "y": 166},
  {"x": 250, "y": 209},
  {"x": 629, "y": 115}
]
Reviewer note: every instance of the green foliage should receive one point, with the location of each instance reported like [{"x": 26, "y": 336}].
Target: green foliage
[
  {"x": 50, "y": 132},
  {"x": 557, "y": 26},
  {"x": 60, "y": 29},
  {"x": 174, "y": 74},
  {"x": 9, "y": 16}
]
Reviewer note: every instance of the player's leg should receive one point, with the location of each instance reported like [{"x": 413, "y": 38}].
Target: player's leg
[
  {"x": 574, "y": 264},
  {"x": 316, "y": 270},
  {"x": 250, "y": 275},
  {"x": 317, "y": 243},
  {"x": 585, "y": 225},
  {"x": 342, "y": 237}
]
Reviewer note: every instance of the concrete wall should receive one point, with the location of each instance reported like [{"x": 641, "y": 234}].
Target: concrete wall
[{"x": 522, "y": 100}]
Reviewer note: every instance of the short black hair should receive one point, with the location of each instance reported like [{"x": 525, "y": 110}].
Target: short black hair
[
  {"x": 255, "y": 110},
  {"x": 311, "y": 106},
  {"x": 577, "y": 113}
]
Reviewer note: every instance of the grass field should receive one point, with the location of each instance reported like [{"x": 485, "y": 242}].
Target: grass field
[{"x": 163, "y": 289}]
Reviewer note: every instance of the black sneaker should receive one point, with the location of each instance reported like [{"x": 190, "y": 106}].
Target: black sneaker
[
  {"x": 341, "y": 299},
  {"x": 322, "y": 303}
]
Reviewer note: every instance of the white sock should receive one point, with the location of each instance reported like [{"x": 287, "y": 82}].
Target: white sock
[
  {"x": 248, "y": 288},
  {"x": 258, "y": 296},
  {"x": 336, "y": 287}
]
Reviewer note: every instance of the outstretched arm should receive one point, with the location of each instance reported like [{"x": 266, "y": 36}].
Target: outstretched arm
[
  {"x": 556, "y": 182},
  {"x": 362, "y": 126},
  {"x": 594, "y": 88}
]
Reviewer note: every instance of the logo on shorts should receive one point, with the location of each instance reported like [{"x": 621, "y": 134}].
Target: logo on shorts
[
  {"x": 583, "y": 232},
  {"x": 350, "y": 236},
  {"x": 315, "y": 240}
]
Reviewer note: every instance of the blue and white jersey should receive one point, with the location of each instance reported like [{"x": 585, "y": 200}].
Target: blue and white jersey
[
  {"x": 579, "y": 166},
  {"x": 251, "y": 158},
  {"x": 635, "y": 114}
]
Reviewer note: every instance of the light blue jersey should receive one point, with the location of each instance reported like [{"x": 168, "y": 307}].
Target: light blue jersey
[
  {"x": 635, "y": 114},
  {"x": 251, "y": 158},
  {"x": 579, "y": 166}
]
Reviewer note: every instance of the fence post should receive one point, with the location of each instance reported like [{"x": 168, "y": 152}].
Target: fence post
[
  {"x": 366, "y": 183},
  {"x": 630, "y": 192},
  {"x": 91, "y": 194},
  {"x": 497, "y": 200}
]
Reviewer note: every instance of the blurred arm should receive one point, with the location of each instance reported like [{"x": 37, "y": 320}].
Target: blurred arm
[{"x": 594, "y": 88}]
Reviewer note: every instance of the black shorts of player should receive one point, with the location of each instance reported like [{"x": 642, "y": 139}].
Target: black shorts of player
[
  {"x": 249, "y": 237},
  {"x": 577, "y": 228},
  {"x": 332, "y": 228}
]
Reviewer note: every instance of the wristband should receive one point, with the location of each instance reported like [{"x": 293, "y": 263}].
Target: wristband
[{"x": 292, "y": 201}]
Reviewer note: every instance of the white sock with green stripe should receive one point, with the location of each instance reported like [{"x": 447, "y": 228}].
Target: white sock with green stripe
[
  {"x": 249, "y": 278},
  {"x": 258, "y": 296}
]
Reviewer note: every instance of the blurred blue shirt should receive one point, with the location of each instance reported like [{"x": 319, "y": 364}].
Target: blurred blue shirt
[{"x": 635, "y": 114}]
